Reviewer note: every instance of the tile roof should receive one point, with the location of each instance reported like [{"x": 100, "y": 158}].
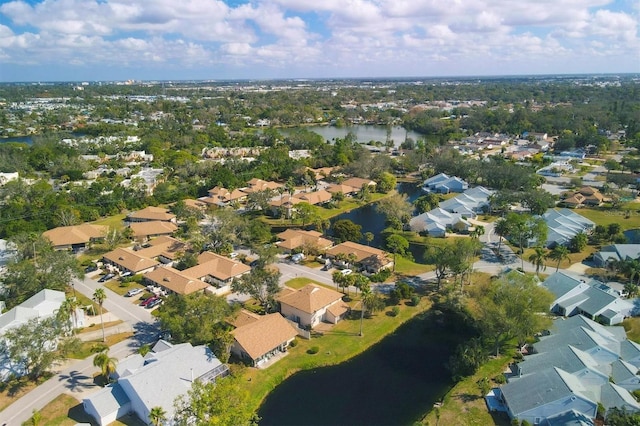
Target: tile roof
[
  {"x": 315, "y": 197},
  {"x": 219, "y": 267},
  {"x": 129, "y": 260},
  {"x": 361, "y": 251},
  {"x": 153, "y": 213},
  {"x": 175, "y": 280},
  {"x": 294, "y": 238},
  {"x": 262, "y": 336},
  {"x": 77, "y": 234},
  {"x": 164, "y": 245},
  {"x": 356, "y": 182},
  {"x": 311, "y": 298},
  {"x": 153, "y": 227}
]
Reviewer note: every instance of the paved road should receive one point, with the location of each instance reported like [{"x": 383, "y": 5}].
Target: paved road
[{"x": 76, "y": 376}]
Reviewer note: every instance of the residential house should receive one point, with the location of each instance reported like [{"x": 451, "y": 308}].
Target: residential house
[
  {"x": 220, "y": 196},
  {"x": 172, "y": 281},
  {"x": 358, "y": 183},
  {"x": 255, "y": 185},
  {"x": 42, "y": 305},
  {"x": 75, "y": 237},
  {"x": 313, "y": 304},
  {"x": 165, "y": 249},
  {"x": 322, "y": 172},
  {"x": 563, "y": 225},
  {"x": 437, "y": 222},
  {"x": 470, "y": 203},
  {"x": 155, "y": 380},
  {"x": 368, "y": 258},
  {"x": 220, "y": 271},
  {"x": 576, "y": 366},
  {"x": 585, "y": 196},
  {"x": 616, "y": 252},
  {"x": 295, "y": 239},
  {"x": 315, "y": 197},
  {"x": 151, "y": 214},
  {"x": 156, "y": 228},
  {"x": 260, "y": 338},
  {"x": 126, "y": 260},
  {"x": 342, "y": 188},
  {"x": 577, "y": 295},
  {"x": 444, "y": 184},
  {"x": 195, "y": 204}
]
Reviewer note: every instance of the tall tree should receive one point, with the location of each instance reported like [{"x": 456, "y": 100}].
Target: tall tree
[
  {"x": 538, "y": 258},
  {"x": 346, "y": 230},
  {"x": 262, "y": 284},
  {"x": 105, "y": 363},
  {"x": 157, "y": 415},
  {"x": 398, "y": 245},
  {"x": 559, "y": 253},
  {"x": 396, "y": 209},
  {"x": 100, "y": 296},
  {"x": 223, "y": 402},
  {"x": 370, "y": 302},
  {"x": 513, "y": 306}
]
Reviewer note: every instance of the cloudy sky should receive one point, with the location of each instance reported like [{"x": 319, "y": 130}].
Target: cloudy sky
[{"x": 72, "y": 40}]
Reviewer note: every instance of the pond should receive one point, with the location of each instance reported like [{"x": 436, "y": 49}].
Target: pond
[
  {"x": 372, "y": 221},
  {"x": 632, "y": 235},
  {"x": 393, "y": 383},
  {"x": 364, "y": 133}
]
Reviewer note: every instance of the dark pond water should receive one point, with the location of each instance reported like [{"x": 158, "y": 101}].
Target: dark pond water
[
  {"x": 393, "y": 383},
  {"x": 633, "y": 236},
  {"x": 364, "y": 133},
  {"x": 371, "y": 221},
  {"x": 21, "y": 139}
]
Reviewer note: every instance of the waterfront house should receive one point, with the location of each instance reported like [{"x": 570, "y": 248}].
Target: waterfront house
[
  {"x": 313, "y": 304},
  {"x": 261, "y": 337},
  {"x": 368, "y": 258}
]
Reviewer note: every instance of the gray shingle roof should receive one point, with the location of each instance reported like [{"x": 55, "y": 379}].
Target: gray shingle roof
[{"x": 109, "y": 399}]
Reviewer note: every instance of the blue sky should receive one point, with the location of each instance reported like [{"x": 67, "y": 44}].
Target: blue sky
[{"x": 71, "y": 40}]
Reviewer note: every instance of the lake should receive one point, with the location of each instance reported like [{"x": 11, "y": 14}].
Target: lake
[
  {"x": 364, "y": 133},
  {"x": 394, "y": 382}
]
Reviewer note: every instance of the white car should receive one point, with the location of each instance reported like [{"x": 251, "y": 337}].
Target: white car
[
  {"x": 346, "y": 271},
  {"x": 133, "y": 292}
]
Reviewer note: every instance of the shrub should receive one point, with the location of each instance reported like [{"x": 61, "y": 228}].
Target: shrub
[
  {"x": 381, "y": 276},
  {"x": 415, "y": 299},
  {"x": 404, "y": 289},
  {"x": 313, "y": 350},
  {"x": 500, "y": 379},
  {"x": 293, "y": 343},
  {"x": 636, "y": 394},
  {"x": 395, "y": 311}
]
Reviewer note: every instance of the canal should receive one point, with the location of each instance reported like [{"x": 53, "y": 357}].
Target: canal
[{"x": 393, "y": 383}]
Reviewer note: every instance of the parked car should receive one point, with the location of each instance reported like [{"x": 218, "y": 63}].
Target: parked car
[
  {"x": 153, "y": 303},
  {"x": 91, "y": 268},
  {"x": 106, "y": 278},
  {"x": 149, "y": 300},
  {"x": 133, "y": 292},
  {"x": 233, "y": 255},
  {"x": 126, "y": 274},
  {"x": 346, "y": 271}
]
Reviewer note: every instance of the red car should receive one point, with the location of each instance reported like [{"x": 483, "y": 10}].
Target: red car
[{"x": 149, "y": 300}]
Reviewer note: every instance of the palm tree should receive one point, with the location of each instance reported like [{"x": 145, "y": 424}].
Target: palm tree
[
  {"x": 157, "y": 415},
  {"x": 370, "y": 302},
  {"x": 66, "y": 312},
  {"x": 537, "y": 258},
  {"x": 477, "y": 232},
  {"x": 105, "y": 363},
  {"x": 100, "y": 296},
  {"x": 559, "y": 253},
  {"x": 502, "y": 229}
]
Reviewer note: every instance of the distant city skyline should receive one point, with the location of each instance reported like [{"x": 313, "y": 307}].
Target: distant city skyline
[{"x": 111, "y": 40}]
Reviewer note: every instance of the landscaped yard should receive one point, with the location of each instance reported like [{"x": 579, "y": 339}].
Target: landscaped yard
[
  {"x": 115, "y": 221},
  {"x": 632, "y": 327},
  {"x": 298, "y": 283},
  {"x": 10, "y": 392},
  {"x": 606, "y": 217},
  {"x": 405, "y": 266},
  {"x": 89, "y": 348}
]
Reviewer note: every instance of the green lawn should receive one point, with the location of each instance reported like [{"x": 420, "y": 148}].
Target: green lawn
[
  {"x": 405, "y": 266},
  {"x": 336, "y": 346},
  {"x": 115, "y": 221},
  {"x": 632, "y": 327},
  {"x": 606, "y": 217},
  {"x": 116, "y": 286},
  {"x": 298, "y": 283}
]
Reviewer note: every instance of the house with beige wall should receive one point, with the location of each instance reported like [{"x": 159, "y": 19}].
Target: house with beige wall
[{"x": 313, "y": 304}]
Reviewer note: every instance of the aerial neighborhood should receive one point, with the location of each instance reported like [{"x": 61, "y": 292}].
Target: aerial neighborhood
[{"x": 173, "y": 253}]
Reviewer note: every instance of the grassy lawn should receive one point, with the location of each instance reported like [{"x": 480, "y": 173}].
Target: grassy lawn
[
  {"x": 336, "y": 346},
  {"x": 632, "y": 327},
  {"x": 606, "y": 217},
  {"x": 405, "y": 266},
  {"x": 463, "y": 405},
  {"x": 116, "y": 286},
  {"x": 115, "y": 221},
  {"x": 10, "y": 392},
  {"x": 89, "y": 348},
  {"x": 573, "y": 258},
  {"x": 298, "y": 283}
]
